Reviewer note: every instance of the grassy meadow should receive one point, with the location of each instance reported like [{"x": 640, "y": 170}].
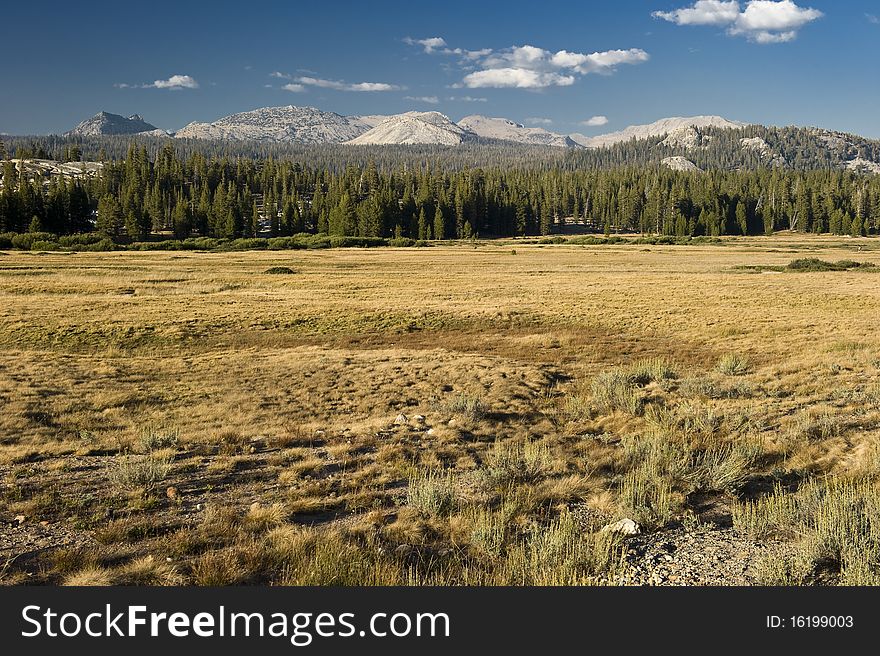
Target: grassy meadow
[{"x": 462, "y": 414}]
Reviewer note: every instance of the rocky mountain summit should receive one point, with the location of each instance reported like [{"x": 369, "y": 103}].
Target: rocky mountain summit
[
  {"x": 290, "y": 124},
  {"x": 416, "y": 128},
  {"x": 504, "y": 129},
  {"x": 682, "y": 127},
  {"x": 105, "y": 123}
]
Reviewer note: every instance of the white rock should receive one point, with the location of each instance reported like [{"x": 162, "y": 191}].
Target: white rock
[
  {"x": 291, "y": 124},
  {"x": 400, "y": 419},
  {"x": 415, "y": 128},
  {"x": 506, "y": 130},
  {"x": 623, "y": 527},
  {"x": 419, "y": 419}
]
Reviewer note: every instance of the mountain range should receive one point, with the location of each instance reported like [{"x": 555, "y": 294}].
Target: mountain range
[
  {"x": 308, "y": 125},
  {"x": 693, "y": 143}
]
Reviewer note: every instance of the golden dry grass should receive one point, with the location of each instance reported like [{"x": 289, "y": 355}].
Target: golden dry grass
[{"x": 162, "y": 412}]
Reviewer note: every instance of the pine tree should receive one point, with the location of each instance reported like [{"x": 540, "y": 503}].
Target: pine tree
[
  {"x": 109, "y": 221},
  {"x": 439, "y": 224},
  {"x": 423, "y": 225}
]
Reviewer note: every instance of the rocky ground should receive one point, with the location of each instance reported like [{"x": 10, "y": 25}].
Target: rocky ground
[{"x": 706, "y": 555}]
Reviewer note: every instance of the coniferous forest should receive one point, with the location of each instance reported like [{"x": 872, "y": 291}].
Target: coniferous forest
[{"x": 186, "y": 193}]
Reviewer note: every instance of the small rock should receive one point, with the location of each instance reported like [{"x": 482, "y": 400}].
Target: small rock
[
  {"x": 452, "y": 422},
  {"x": 200, "y": 506},
  {"x": 172, "y": 492},
  {"x": 419, "y": 419},
  {"x": 20, "y": 519},
  {"x": 430, "y": 431},
  {"x": 623, "y": 527},
  {"x": 400, "y": 419}
]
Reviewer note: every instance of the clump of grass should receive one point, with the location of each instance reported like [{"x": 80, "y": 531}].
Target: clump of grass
[
  {"x": 683, "y": 451},
  {"x": 816, "y": 425},
  {"x": 92, "y": 575},
  {"x": 733, "y": 364},
  {"x": 468, "y": 406},
  {"x": 489, "y": 529},
  {"x": 517, "y": 462},
  {"x": 217, "y": 568},
  {"x": 260, "y": 519},
  {"x": 646, "y": 496},
  {"x": 614, "y": 390},
  {"x": 156, "y": 439},
  {"x": 620, "y": 388},
  {"x": 650, "y": 370},
  {"x": 134, "y": 472},
  {"x": 147, "y": 570},
  {"x": 561, "y": 554},
  {"x": 835, "y": 525},
  {"x": 280, "y": 270},
  {"x": 432, "y": 493}
]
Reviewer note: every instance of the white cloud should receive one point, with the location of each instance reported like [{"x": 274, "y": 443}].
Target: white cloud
[
  {"x": 703, "y": 12},
  {"x": 467, "y": 99},
  {"x": 595, "y": 121},
  {"x": 527, "y": 66},
  {"x": 762, "y": 21},
  {"x": 537, "y": 120},
  {"x": 295, "y": 88},
  {"x": 430, "y": 44},
  {"x": 431, "y": 100},
  {"x": 517, "y": 78},
  {"x": 346, "y": 86},
  {"x": 175, "y": 82},
  {"x": 873, "y": 18}
]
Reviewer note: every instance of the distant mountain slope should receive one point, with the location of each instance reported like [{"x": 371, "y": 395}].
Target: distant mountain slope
[
  {"x": 415, "y": 128},
  {"x": 708, "y": 142},
  {"x": 291, "y": 124},
  {"x": 664, "y": 126},
  {"x": 506, "y": 130},
  {"x": 105, "y": 123}
]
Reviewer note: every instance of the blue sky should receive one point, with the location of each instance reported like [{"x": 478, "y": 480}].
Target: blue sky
[{"x": 803, "y": 62}]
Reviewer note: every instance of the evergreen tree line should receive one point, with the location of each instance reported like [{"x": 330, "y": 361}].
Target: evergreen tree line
[{"x": 140, "y": 197}]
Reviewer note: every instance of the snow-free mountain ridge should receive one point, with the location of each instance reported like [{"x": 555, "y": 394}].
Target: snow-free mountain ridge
[
  {"x": 105, "y": 123},
  {"x": 415, "y": 128},
  {"x": 290, "y": 124},
  {"x": 665, "y": 126}
]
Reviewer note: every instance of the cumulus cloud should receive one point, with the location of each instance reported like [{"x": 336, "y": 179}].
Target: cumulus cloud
[
  {"x": 703, "y": 12},
  {"x": 429, "y": 45},
  {"x": 527, "y": 66},
  {"x": 762, "y": 21},
  {"x": 518, "y": 78},
  {"x": 538, "y": 120},
  {"x": 176, "y": 82},
  {"x": 173, "y": 82},
  {"x": 595, "y": 121},
  {"x": 431, "y": 100}
]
